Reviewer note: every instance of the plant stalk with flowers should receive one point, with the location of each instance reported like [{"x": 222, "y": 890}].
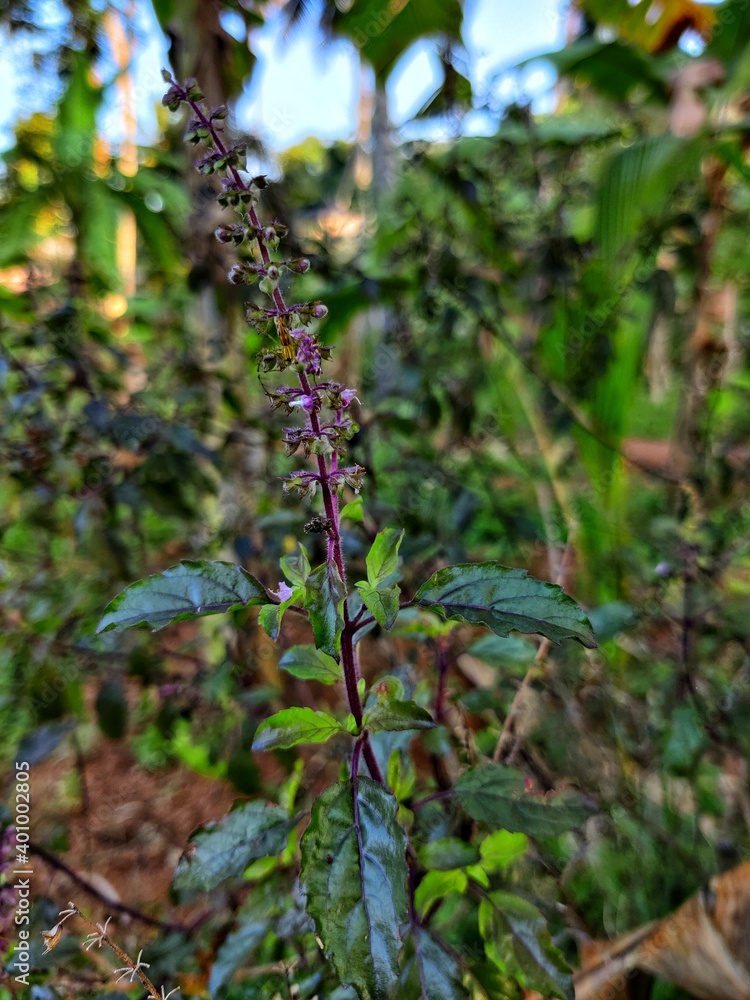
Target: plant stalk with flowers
[
  {"x": 372, "y": 866},
  {"x": 96, "y": 938}
]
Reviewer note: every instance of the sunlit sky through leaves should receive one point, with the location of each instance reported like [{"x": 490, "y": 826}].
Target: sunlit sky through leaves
[{"x": 306, "y": 86}]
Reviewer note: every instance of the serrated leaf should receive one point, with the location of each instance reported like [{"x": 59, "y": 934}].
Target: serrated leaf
[
  {"x": 325, "y": 594},
  {"x": 292, "y": 726},
  {"x": 495, "y": 794},
  {"x": 188, "y": 590},
  {"x": 382, "y": 559},
  {"x": 518, "y": 942},
  {"x": 429, "y": 971},
  {"x": 223, "y": 850},
  {"x": 396, "y": 716},
  {"x": 311, "y": 664},
  {"x": 381, "y": 603},
  {"x": 505, "y": 600},
  {"x": 354, "y": 872}
]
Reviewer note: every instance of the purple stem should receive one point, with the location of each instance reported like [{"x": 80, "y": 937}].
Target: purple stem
[{"x": 325, "y": 467}]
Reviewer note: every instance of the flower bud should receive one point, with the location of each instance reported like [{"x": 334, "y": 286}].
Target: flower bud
[
  {"x": 319, "y": 311},
  {"x": 223, "y": 235},
  {"x": 272, "y": 272},
  {"x": 300, "y": 265},
  {"x": 236, "y": 275}
]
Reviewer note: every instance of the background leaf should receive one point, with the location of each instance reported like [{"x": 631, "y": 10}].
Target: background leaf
[
  {"x": 498, "y": 795},
  {"x": 518, "y": 942},
  {"x": 223, "y": 850}
]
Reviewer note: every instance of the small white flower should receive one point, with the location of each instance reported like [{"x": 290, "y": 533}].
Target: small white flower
[
  {"x": 130, "y": 973},
  {"x": 95, "y": 938},
  {"x": 165, "y": 996}
]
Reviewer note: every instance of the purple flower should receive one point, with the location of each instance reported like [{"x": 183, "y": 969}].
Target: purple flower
[
  {"x": 309, "y": 403},
  {"x": 284, "y": 592}
]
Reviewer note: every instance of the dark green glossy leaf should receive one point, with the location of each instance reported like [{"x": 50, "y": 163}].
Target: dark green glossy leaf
[
  {"x": 295, "y": 725},
  {"x": 324, "y": 600},
  {"x": 311, "y": 664},
  {"x": 518, "y": 942},
  {"x": 429, "y": 971},
  {"x": 498, "y": 795},
  {"x": 354, "y": 872},
  {"x": 223, "y": 850},
  {"x": 382, "y": 603},
  {"x": 188, "y": 590},
  {"x": 396, "y": 716},
  {"x": 505, "y": 600},
  {"x": 382, "y": 559}
]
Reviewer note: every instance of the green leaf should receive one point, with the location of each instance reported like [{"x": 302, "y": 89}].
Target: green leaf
[
  {"x": 638, "y": 184},
  {"x": 382, "y": 559},
  {"x": 436, "y": 885},
  {"x": 501, "y": 849},
  {"x": 295, "y": 725},
  {"x": 396, "y": 716},
  {"x": 325, "y": 601},
  {"x": 311, "y": 664},
  {"x": 188, "y": 590},
  {"x": 296, "y": 568},
  {"x": 518, "y": 942},
  {"x": 354, "y": 873},
  {"x": 613, "y": 68},
  {"x": 505, "y": 600},
  {"x": 501, "y": 651},
  {"x": 223, "y": 850},
  {"x": 353, "y": 511},
  {"x": 254, "y": 921},
  {"x": 270, "y": 616},
  {"x": 495, "y": 794},
  {"x": 382, "y": 604},
  {"x": 447, "y": 853},
  {"x": 687, "y": 740},
  {"x": 383, "y": 31},
  {"x": 429, "y": 971}
]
